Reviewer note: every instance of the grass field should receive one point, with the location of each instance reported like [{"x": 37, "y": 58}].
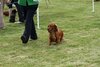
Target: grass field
[{"x": 81, "y": 45}]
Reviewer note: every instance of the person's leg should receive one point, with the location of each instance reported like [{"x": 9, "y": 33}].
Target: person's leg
[
  {"x": 24, "y": 12},
  {"x": 33, "y": 35},
  {"x": 24, "y": 35},
  {"x": 20, "y": 12},
  {"x": 29, "y": 25}
]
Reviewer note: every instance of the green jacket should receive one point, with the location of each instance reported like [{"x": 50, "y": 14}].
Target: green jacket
[{"x": 30, "y": 2}]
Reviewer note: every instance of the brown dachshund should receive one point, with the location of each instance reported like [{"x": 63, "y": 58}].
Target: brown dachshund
[{"x": 55, "y": 34}]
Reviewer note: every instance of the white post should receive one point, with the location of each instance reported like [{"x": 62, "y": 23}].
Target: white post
[
  {"x": 92, "y": 5},
  {"x": 38, "y": 19}
]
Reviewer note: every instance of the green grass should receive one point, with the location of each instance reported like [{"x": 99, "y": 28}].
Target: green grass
[{"x": 81, "y": 45}]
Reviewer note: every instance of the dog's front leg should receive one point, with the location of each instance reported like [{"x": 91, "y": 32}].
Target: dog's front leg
[{"x": 57, "y": 40}]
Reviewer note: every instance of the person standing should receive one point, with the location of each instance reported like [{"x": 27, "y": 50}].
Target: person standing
[
  {"x": 30, "y": 7},
  {"x": 20, "y": 13}
]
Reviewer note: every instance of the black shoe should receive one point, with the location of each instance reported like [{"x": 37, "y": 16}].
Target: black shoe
[{"x": 24, "y": 40}]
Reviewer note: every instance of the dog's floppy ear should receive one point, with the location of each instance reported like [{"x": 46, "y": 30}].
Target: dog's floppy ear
[{"x": 55, "y": 28}]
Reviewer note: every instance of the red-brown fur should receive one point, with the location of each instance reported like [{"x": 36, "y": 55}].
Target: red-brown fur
[
  {"x": 55, "y": 34},
  {"x": 6, "y": 13}
]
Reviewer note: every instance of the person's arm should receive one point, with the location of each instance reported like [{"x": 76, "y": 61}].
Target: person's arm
[{"x": 8, "y": 1}]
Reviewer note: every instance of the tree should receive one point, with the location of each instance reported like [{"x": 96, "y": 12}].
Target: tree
[{"x": 1, "y": 15}]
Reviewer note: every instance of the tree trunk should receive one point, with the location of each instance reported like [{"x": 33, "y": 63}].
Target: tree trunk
[{"x": 1, "y": 16}]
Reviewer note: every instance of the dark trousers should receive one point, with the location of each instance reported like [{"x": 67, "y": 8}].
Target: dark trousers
[
  {"x": 29, "y": 22},
  {"x": 20, "y": 13},
  {"x": 19, "y": 9}
]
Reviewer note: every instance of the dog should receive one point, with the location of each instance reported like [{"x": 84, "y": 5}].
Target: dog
[
  {"x": 13, "y": 16},
  {"x": 6, "y": 13},
  {"x": 55, "y": 34}
]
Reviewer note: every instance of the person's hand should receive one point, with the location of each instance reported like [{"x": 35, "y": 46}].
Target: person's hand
[{"x": 8, "y": 1}]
